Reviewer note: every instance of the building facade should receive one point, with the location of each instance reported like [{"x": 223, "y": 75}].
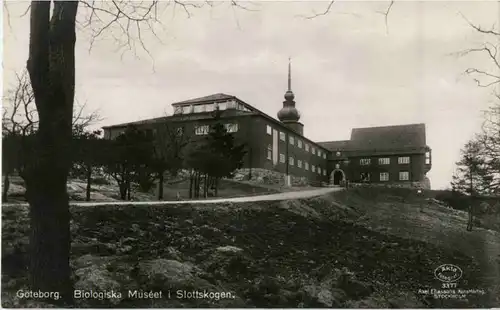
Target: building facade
[{"x": 376, "y": 155}]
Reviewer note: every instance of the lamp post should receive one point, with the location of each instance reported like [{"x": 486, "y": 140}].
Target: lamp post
[{"x": 419, "y": 194}]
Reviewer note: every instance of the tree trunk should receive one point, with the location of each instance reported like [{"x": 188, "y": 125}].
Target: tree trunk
[
  {"x": 197, "y": 185},
  {"x": 6, "y": 185},
  {"x": 123, "y": 190},
  {"x": 89, "y": 182},
  {"x": 216, "y": 185},
  {"x": 128, "y": 188},
  {"x": 51, "y": 66},
  {"x": 191, "y": 181},
  {"x": 205, "y": 186},
  {"x": 198, "y": 182},
  {"x": 160, "y": 186}
]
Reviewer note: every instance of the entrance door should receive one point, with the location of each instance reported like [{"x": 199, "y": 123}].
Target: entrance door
[{"x": 337, "y": 177}]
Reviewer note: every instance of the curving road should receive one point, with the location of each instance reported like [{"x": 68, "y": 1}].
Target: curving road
[{"x": 271, "y": 197}]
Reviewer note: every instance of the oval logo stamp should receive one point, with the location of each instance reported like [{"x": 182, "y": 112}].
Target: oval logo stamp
[{"x": 448, "y": 273}]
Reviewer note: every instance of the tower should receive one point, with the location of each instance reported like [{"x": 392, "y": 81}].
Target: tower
[{"x": 289, "y": 115}]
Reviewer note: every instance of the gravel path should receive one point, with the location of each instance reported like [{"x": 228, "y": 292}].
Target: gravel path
[{"x": 271, "y": 197}]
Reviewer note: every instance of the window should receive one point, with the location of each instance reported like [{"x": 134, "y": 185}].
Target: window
[
  {"x": 404, "y": 160},
  {"x": 292, "y": 141},
  {"x": 291, "y": 161},
  {"x": 338, "y": 154},
  {"x": 365, "y": 177},
  {"x": 404, "y": 176},
  {"x": 186, "y": 109},
  {"x": 306, "y": 165},
  {"x": 282, "y": 158},
  {"x": 313, "y": 150},
  {"x": 231, "y": 104},
  {"x": 324, "y": 172},
  {"x": 313, "y": 168},
  {"x": 282, "y": 136},
  {"x": 364, "y": 161},
  {"x": 324, "y": 155},
  {"x": 307, "y": 147},
  {"x": 319, "y": 153},
  {"x": 427, "y": 158},
  {"x": 269, "y": 152},
  {"x": 299, "y": 143},
  {"x": 384, "y": 176},
  {"x": 209, "y": 107},
  {"x": 299, "y": 163},
  {"x": 231, "y": 127},
  {"x": 178, "y": 110},
  {"x": 201, "y": 130},
  {"x": 384, "y": 161},
  {"x": 319, "y": 170},
  {"x": 199, "y": 108},
  {"x": 269, "y": 130},
  {"x": 222, "y": 105}
]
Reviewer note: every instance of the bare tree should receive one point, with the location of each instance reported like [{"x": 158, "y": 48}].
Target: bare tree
[
  {"x": 489, "y": 78},
  {"x": 51, "y": 67},
  {"x": 20, "y": 122}
]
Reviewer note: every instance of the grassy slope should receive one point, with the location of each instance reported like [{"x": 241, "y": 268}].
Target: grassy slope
[
  {"x": 407, "y": 216},
  {"x": 386, "y": 242},
  {"x": 76, "y": 188}
]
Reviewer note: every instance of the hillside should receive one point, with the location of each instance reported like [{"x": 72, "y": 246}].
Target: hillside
[
  {"x": 108, "y": 191},
  {"x": 359, "y": 248}
]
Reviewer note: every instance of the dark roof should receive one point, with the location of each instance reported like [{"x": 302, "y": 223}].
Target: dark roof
[
  {"x": 335, "y": 145},
  {"x": 214, "y": 97},
  {"x": 389, "y": 137},
  {"x": 220, "y": 96},
  {"x": 383, "y": 140},
  {"x": 141, "y": 122}
]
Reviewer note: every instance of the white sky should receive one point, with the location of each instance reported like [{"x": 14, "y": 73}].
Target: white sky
[{"x": 348, "y": 70}]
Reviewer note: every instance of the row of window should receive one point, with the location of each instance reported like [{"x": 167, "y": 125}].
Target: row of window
[
  {"x": 299, "y": 143},
  {"x": 291, "y": 162},
  {"x": 204, "y": 129},
  {"x": 209, "y": 107},
  {"x": 384, "y": 161},
  {"x": 384, "y": 176}
]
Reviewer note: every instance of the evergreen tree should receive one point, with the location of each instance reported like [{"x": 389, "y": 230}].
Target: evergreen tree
[
  {"x": 129, "y": 158},
  {"x": 170, "y": 142},
  {"x": 472, "y": 176},
  {"x": 89, "y": 149}
]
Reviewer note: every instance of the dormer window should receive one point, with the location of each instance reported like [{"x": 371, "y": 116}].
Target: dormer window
[
  {"x": 222, "y": 105},
  {"x": 178, "y": 110},
  {"x": 200, "y": 108},
  {"x": 231, "y": 104},
  {"x": 186, "y": 109},
  {"x": 209, "y": 107}
]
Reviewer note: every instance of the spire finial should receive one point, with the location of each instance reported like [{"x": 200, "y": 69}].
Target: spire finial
[{"x": 289, "y": 73}]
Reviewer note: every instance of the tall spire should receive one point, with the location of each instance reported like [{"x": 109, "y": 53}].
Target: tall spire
[
  {"x": 289, "y": 74},
  {"x": 289, "y": 112}
]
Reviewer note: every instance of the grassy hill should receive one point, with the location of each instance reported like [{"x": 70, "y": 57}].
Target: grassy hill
[
  {"x": 362, "y": 248},
  {"x": 109, "y": 191}
]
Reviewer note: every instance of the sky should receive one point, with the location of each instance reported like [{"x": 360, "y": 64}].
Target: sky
[{"x": 348, "y": 68}]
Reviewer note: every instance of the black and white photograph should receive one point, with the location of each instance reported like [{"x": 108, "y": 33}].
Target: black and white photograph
[{"x": 250, "y": 154}]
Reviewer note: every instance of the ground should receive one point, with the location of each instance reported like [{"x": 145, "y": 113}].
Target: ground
[
  {"x": 172, "y": 188},
  {"x": 341, "y": 249}
]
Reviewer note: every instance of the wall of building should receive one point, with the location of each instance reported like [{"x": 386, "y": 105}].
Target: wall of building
[
  {"x": 354, "y": 169},
  {"x": 292, "y": 150}
]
